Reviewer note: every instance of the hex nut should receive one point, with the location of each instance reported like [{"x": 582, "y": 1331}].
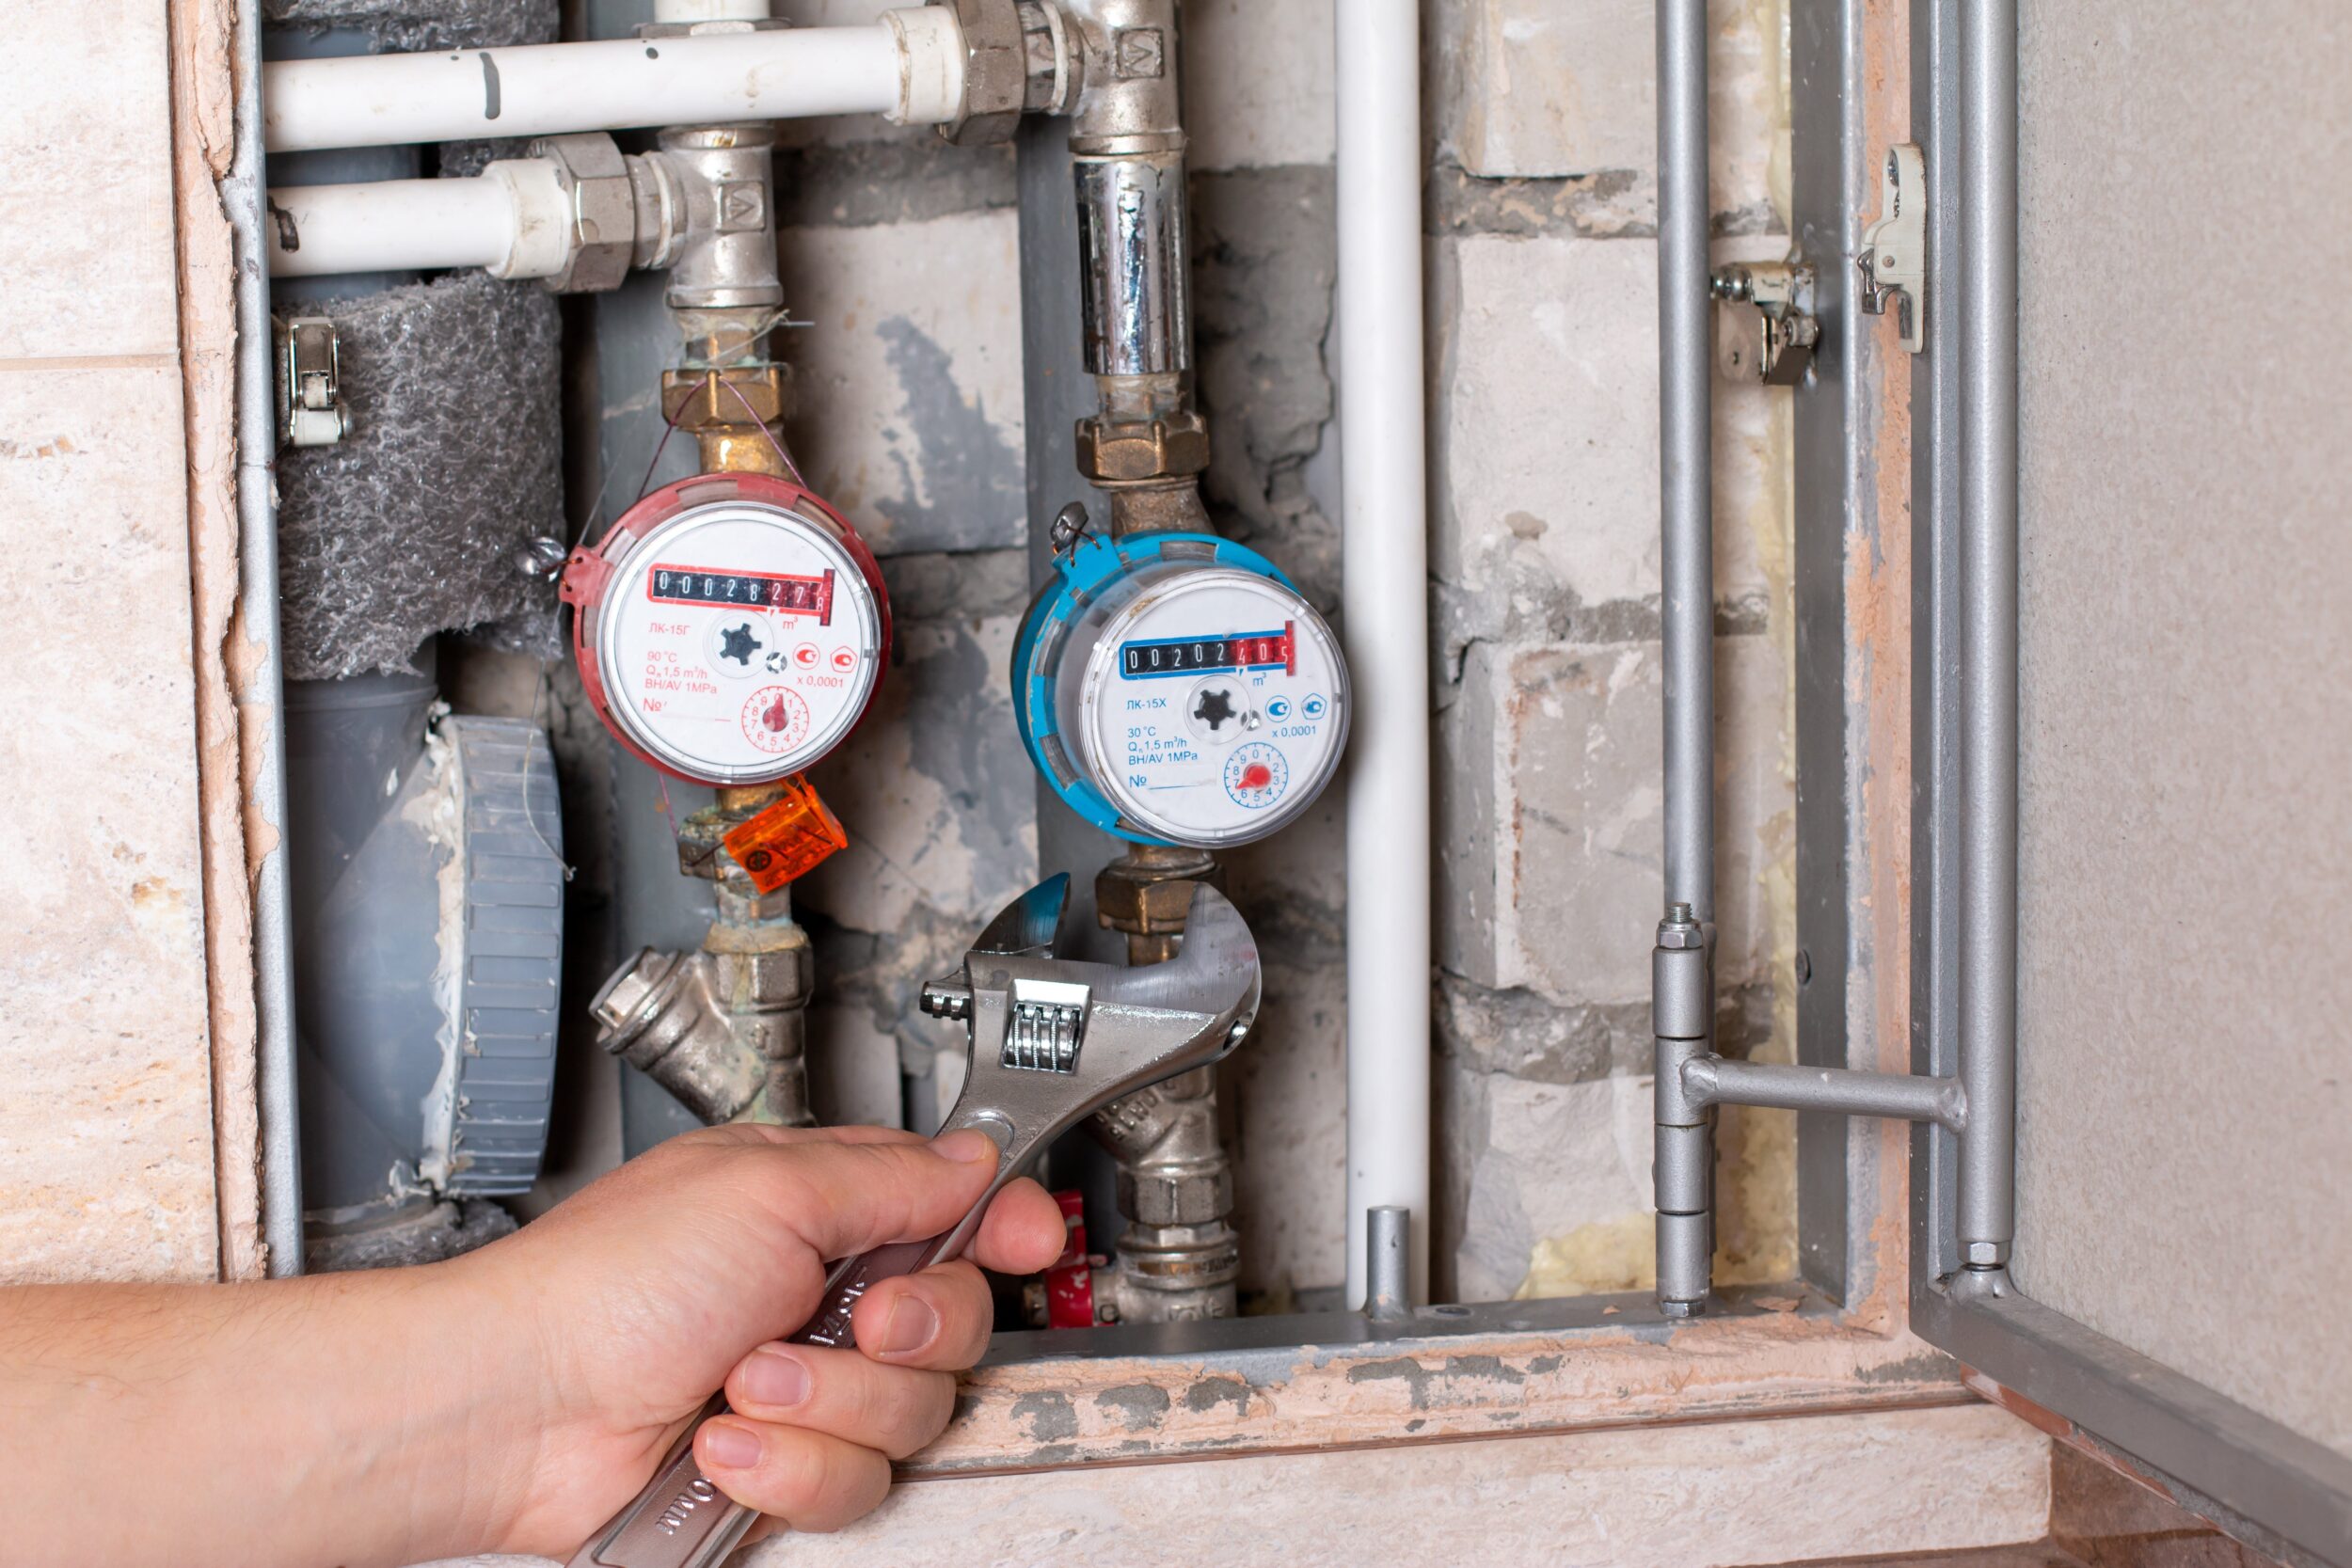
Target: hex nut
[
  {"x": 996, "y": 72},
  {"x": 1192, "y": 1197},
  {"x": 1171, "y": 446},
  {"x": 594, "y": 180},
  {"x": 741, "y": 395}
]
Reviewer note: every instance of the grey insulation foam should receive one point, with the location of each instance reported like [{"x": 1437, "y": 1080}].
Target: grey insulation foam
[
  {"x": 402, "y": 26},
  {"x": 415, "y": 523}
]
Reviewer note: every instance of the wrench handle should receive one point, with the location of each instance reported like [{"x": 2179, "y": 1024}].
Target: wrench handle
[{"x": 681, "y": 1519}]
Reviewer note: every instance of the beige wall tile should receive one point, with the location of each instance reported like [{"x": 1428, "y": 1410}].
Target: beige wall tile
[
  {"x": 85, "y": 211},
  {"x": 105, "y": 1127}
]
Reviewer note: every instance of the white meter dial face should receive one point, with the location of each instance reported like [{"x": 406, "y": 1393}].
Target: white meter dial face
[
  {"x": 738, "y": 643},
  {"x": 1214, "y": 707}
]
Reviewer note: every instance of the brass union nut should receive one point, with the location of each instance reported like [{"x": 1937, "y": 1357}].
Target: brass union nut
[
  {"x": 738, "y": 395},
  {"x": 1166, "y": 448}
]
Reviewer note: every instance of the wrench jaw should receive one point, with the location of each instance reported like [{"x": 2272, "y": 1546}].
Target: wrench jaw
[{"x": 1052, "y": 1039}]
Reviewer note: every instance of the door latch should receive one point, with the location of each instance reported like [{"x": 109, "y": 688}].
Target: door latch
[
  {"x": 311, "y": 407},
  {"x": 1765, "y": 327},
  {"x": 1894, "y": 256}
]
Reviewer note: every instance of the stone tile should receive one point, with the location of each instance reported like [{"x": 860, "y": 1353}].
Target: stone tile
[
  {"x": 1570, "y": 473},
  {"x": 1549, "y": 1158},
  {"x": 1549, "y": 825},
  {"x": 1258, "y": 89},
  {"x": 106, "y": 1131},
  {"x": 86, "y": 209},
  {"x": 907, "y": 378},
  {"x": 1729, "y": 1492},
  {"x": 1542, "y": 88}
]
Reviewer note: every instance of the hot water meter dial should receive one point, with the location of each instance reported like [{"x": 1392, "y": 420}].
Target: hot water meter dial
[
  {"x": 1175, "y": 688},
  {"x": 730, "y": 629}
]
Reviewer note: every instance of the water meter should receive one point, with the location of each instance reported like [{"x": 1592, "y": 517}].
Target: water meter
[
  {"x": 1175, "y": 688},
  {"x": 730, "y": 629}
]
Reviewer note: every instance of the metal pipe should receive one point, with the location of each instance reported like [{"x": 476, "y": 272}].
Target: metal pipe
[
  {"x": 1682, "y": 985},
  {"x": 1388, "y": 1271},
  {"x": 259, "y": 695},
  {"x": 889, "y": 67},
  {"x": 1718, "y": 1080},
  {"x": 1383, "y": 532},
  {"x": 1987, "y": 321},
  {"x": 1686, "y": 500},
  {"x": 1133, "y": 264}
]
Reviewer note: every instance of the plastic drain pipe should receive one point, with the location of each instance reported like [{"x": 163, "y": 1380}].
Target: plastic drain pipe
[
  {"x": 908, "y": 66},
  {"x": 1385, "y": 540}
]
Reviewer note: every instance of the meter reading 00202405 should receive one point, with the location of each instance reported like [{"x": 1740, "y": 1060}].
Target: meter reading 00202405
[{"x": 1176, "y": 689}]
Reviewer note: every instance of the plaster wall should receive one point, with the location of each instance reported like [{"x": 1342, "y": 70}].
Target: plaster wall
[{"x": 2185, "y": 845}]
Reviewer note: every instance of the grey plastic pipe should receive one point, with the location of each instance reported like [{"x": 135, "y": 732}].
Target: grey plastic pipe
[{"x": 261, "y": 700}]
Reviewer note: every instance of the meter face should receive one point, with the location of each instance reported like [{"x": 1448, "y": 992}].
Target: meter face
[
  {"x": 1213, "y": 708},
  {"x": 738, "y": 643}
]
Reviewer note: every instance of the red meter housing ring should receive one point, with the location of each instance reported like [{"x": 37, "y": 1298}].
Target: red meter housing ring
[{"x": 780, "y": 564}]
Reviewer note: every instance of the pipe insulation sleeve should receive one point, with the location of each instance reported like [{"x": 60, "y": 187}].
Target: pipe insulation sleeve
[
  {"x": 511, "y": 220},
  {"x": 613, "y": 85},
  {"x": 1384, "y": 535}
]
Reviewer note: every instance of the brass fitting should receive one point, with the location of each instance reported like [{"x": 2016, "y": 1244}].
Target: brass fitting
[
  {"x": 1171, "y": 446},
  {"x": 729, "y": 410}
]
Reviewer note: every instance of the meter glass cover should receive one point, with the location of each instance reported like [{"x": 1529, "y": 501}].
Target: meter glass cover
[
  {"x": 1214, "y": 707},
  {"x": 738, "y": 643}
]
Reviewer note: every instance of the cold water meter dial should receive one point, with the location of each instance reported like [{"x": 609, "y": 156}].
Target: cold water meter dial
[
  {"x": 1175, "y": 688},
  {"x": 730, "y": 629}
]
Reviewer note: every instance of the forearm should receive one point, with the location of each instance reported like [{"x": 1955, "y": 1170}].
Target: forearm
[{"x": 340, "y": 1420}]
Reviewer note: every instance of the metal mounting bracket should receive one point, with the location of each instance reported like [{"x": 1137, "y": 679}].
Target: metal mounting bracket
[
  {"x": 1765, "y": 327},
  {"x": 1894, "y": 256},
  {"x": 311, "y": 407}
]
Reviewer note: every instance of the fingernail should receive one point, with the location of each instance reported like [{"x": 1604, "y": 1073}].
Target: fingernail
[
  {"x": 771, "y": 1377},
  {"x": 731, "y": 1447},
  {"x": 911, "y": 1326},
  {"x": 966, "y": 1146}
]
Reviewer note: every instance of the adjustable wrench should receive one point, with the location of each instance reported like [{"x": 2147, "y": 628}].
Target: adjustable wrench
[{"x": 1053, "y": 1040}]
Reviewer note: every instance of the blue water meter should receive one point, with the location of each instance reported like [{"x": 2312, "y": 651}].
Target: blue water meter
[{"x": 1176, "y": 689}]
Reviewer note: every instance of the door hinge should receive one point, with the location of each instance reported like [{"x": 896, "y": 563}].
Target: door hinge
[{"x": 1894, "y": 256}]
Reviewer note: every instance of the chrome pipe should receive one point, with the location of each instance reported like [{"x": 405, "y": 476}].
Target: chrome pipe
[{"x": 1133, "y": 263}]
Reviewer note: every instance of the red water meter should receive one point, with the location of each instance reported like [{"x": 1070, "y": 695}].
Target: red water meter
[{"x": 729, "y": 628}]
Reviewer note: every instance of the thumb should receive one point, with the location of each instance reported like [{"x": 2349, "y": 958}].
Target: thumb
[{"x": 841, "y": 1200}]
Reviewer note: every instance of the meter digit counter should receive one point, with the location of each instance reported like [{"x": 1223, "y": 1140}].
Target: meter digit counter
[
  {"x": 1175, "y": 688},
  {"x": 729, "y": 629}
]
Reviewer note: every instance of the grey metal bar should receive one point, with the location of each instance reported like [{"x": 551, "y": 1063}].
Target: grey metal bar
[
  {"x": 1388, "y": 1262},
  {"x": 1841, "y": 1091},
  {"x": 2245, "y": 1462},
  {"x": 1936, "y": 645},
  {"x": 1988, "y": 435},
  {"x": 1682, "y": 987},
  {"x": 242, "y": 193},
  {"x": 1687, "y": 525}
]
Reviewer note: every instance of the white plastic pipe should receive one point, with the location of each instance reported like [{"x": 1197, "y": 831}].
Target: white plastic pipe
[
  {"x": 1385, "y": 543},
  {"x": 510, "y": 220},
  {"x": 885, "y": 68}
]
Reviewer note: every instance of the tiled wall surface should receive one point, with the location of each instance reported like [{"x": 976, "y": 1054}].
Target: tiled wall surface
[{"x": 106, "y": 1153}]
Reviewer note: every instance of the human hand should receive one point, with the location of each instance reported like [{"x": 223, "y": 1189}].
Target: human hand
[{"x": 681, "y": 1271}]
